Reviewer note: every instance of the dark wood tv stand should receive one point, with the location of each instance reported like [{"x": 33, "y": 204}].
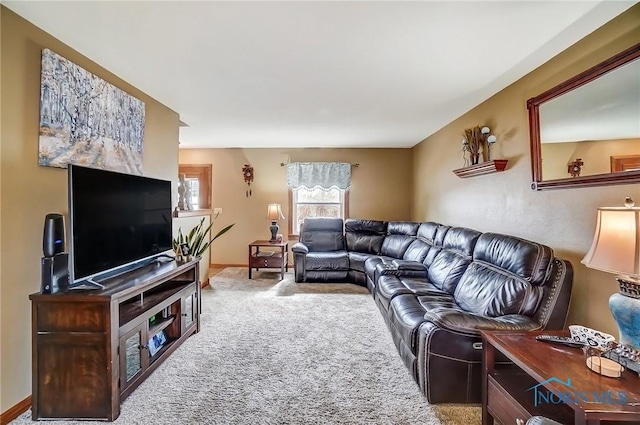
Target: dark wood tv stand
[{"x": 91, "y": 348}]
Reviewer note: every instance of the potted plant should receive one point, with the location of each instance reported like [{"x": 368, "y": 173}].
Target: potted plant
[{"x": 197, "y": 240}]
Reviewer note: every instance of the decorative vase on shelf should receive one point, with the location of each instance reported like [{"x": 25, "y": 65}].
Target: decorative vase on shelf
[
  {"x": 184, "y": 193},
  {"x": 181, "y": 191},
  {"x": 188, "y": 204},
  {"x": 474, "y": 158}
]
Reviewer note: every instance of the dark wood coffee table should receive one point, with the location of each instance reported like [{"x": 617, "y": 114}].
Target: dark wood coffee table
[
  {"x": 537, "y": 375},
  {"x": 268, "y": 258}
]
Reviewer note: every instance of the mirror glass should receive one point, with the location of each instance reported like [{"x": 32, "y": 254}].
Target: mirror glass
[{"x": 586, "y": 131}]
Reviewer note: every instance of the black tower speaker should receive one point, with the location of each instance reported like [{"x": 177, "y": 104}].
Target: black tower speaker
[
  {"x": 55, "y": 273},
  {"x": 55, "y": 263},
  {"x": 53, "y": 238}
]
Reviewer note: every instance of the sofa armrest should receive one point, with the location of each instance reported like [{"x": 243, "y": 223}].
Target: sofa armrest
[
  {"x": 300, "y": 248},
  {"x": 400, "y": 268},
  {"x": 408, "y": 265},
  {"x": 471, "y": 323}
]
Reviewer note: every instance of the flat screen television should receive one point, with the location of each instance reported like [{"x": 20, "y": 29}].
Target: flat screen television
[{"x": 116, "y": 222}]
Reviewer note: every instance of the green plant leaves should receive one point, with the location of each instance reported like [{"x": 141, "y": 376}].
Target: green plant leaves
[{"x": 198, "y": 238}]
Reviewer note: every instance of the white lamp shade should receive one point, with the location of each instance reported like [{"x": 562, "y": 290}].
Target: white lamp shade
[
  {"x": 274, "y": 212},
  {"x": 616, "y": 242}
]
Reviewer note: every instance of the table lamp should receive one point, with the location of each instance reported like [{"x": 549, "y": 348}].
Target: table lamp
[
  {"x": 616, "y": 249},
  {"x": 274, "y": 213}
]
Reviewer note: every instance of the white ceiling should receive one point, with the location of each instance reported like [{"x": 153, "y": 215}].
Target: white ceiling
[{"x": 318, "y": 74}]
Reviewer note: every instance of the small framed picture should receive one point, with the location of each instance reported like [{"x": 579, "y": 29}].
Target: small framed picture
[
  {"x": 184, "y": 249},
  {"x": 279, "y": 238}
]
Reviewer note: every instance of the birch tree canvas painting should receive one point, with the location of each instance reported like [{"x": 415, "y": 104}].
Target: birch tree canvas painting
[{"x": 86, "y": 121}]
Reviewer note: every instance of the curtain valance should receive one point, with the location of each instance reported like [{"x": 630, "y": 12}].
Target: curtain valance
[{"x": 319, "y": 174}]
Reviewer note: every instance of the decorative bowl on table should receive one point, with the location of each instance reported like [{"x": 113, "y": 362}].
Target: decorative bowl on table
[{"x": 591, "y": 337}]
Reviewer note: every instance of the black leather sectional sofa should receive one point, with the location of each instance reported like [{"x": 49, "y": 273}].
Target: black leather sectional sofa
[{"x": 437, "y": 287}]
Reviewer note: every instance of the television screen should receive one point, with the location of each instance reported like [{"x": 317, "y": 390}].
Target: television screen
[{"x": 115, "y": 220}]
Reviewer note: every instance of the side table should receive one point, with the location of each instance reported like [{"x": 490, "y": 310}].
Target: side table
[
  {"x": 268, "y": 259},
  {"x": 551, "y": 380}
]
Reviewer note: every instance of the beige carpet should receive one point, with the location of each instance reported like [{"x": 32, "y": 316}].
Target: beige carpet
[{"x": 276, "y": 352}]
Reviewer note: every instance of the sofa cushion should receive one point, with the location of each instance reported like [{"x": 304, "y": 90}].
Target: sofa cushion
[
  {"x": 408, "y": 228},
  {"x": 334, "y": 260},
  {"x": 504, "y": 277},
  {"x": 358, "y": 259},
  {"x": 433, "y": 234},
  {"x": 457, "y": 320},
  {"x": 365, "y": 235},
  {"x": 372, "y": 227},
  {"x": 452, "y": 261},
  {"x": 490, "y": 291},
  {"x": 390, "y": 286},
  {"x": 322, "y": 234},
  {"x": 427, "y": 231},
  {"x": 416, "y": 251},
  {"x": 447, "y": 269},
  {"x": 406, "y": 314},
  {"x": 326, "y": 276},
  {"x": 394, "y": 246},
  {"x": 529, "y": 260}
]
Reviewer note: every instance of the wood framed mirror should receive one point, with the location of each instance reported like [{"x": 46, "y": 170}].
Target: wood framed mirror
[{"x": 593, "y": 118}]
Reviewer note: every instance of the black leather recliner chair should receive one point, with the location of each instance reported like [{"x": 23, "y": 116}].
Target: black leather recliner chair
[{"x": 320, "y": 255}]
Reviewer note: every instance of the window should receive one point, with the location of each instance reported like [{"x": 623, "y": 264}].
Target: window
[
  {"x": 194, "y": 184},
  {"x": 199, "y": 177},
  {"x": 316, "y": 202}
]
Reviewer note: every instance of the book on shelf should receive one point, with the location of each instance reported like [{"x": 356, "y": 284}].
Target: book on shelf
[
  {"x": 156, "y": 342},
  {"x": 264, "y": 254}
]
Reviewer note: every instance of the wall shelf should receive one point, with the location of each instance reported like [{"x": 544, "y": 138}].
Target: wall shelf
[
  {"x": 192, "y": 213},
  {"x": 487, "y": 167}
]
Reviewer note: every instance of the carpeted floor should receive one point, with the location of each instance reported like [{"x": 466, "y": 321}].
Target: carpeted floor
[{"x": 276, "y": 352}]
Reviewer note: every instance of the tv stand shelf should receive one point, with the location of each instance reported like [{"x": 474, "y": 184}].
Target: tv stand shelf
[
  {"x": 132, "y": 310},
  {"x": 157, "y": 327},
  {"x": 93, "y": 347}
]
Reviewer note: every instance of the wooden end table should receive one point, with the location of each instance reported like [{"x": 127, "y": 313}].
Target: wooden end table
[
  {"x": 551, "y": 380},
  {"x": 268, "y": 259}
]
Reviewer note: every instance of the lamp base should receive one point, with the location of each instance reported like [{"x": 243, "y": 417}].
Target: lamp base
[
  {"x": 625, "y": 308},
  {"x": 274, "y": 232}
]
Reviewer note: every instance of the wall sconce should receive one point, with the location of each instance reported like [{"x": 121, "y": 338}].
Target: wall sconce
[{"x": 491, "y": 139}]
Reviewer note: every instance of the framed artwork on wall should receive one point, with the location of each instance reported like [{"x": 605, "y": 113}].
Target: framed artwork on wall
[{"x": 86, "y": 121}]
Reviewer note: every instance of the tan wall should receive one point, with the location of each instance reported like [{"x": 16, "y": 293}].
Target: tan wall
[
  {"x": 563, "y": 219},
  {"x": 30, "y": 191},
  {"x": 380, "y": 189},
  {"x": 595, "y": 155}
]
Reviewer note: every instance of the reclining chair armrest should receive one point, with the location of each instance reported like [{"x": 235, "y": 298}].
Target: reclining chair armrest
[
  {"x": 300, "y": 251},
  {"x": 300, "y": 248},
  {"x": 471, "y": 324}
]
